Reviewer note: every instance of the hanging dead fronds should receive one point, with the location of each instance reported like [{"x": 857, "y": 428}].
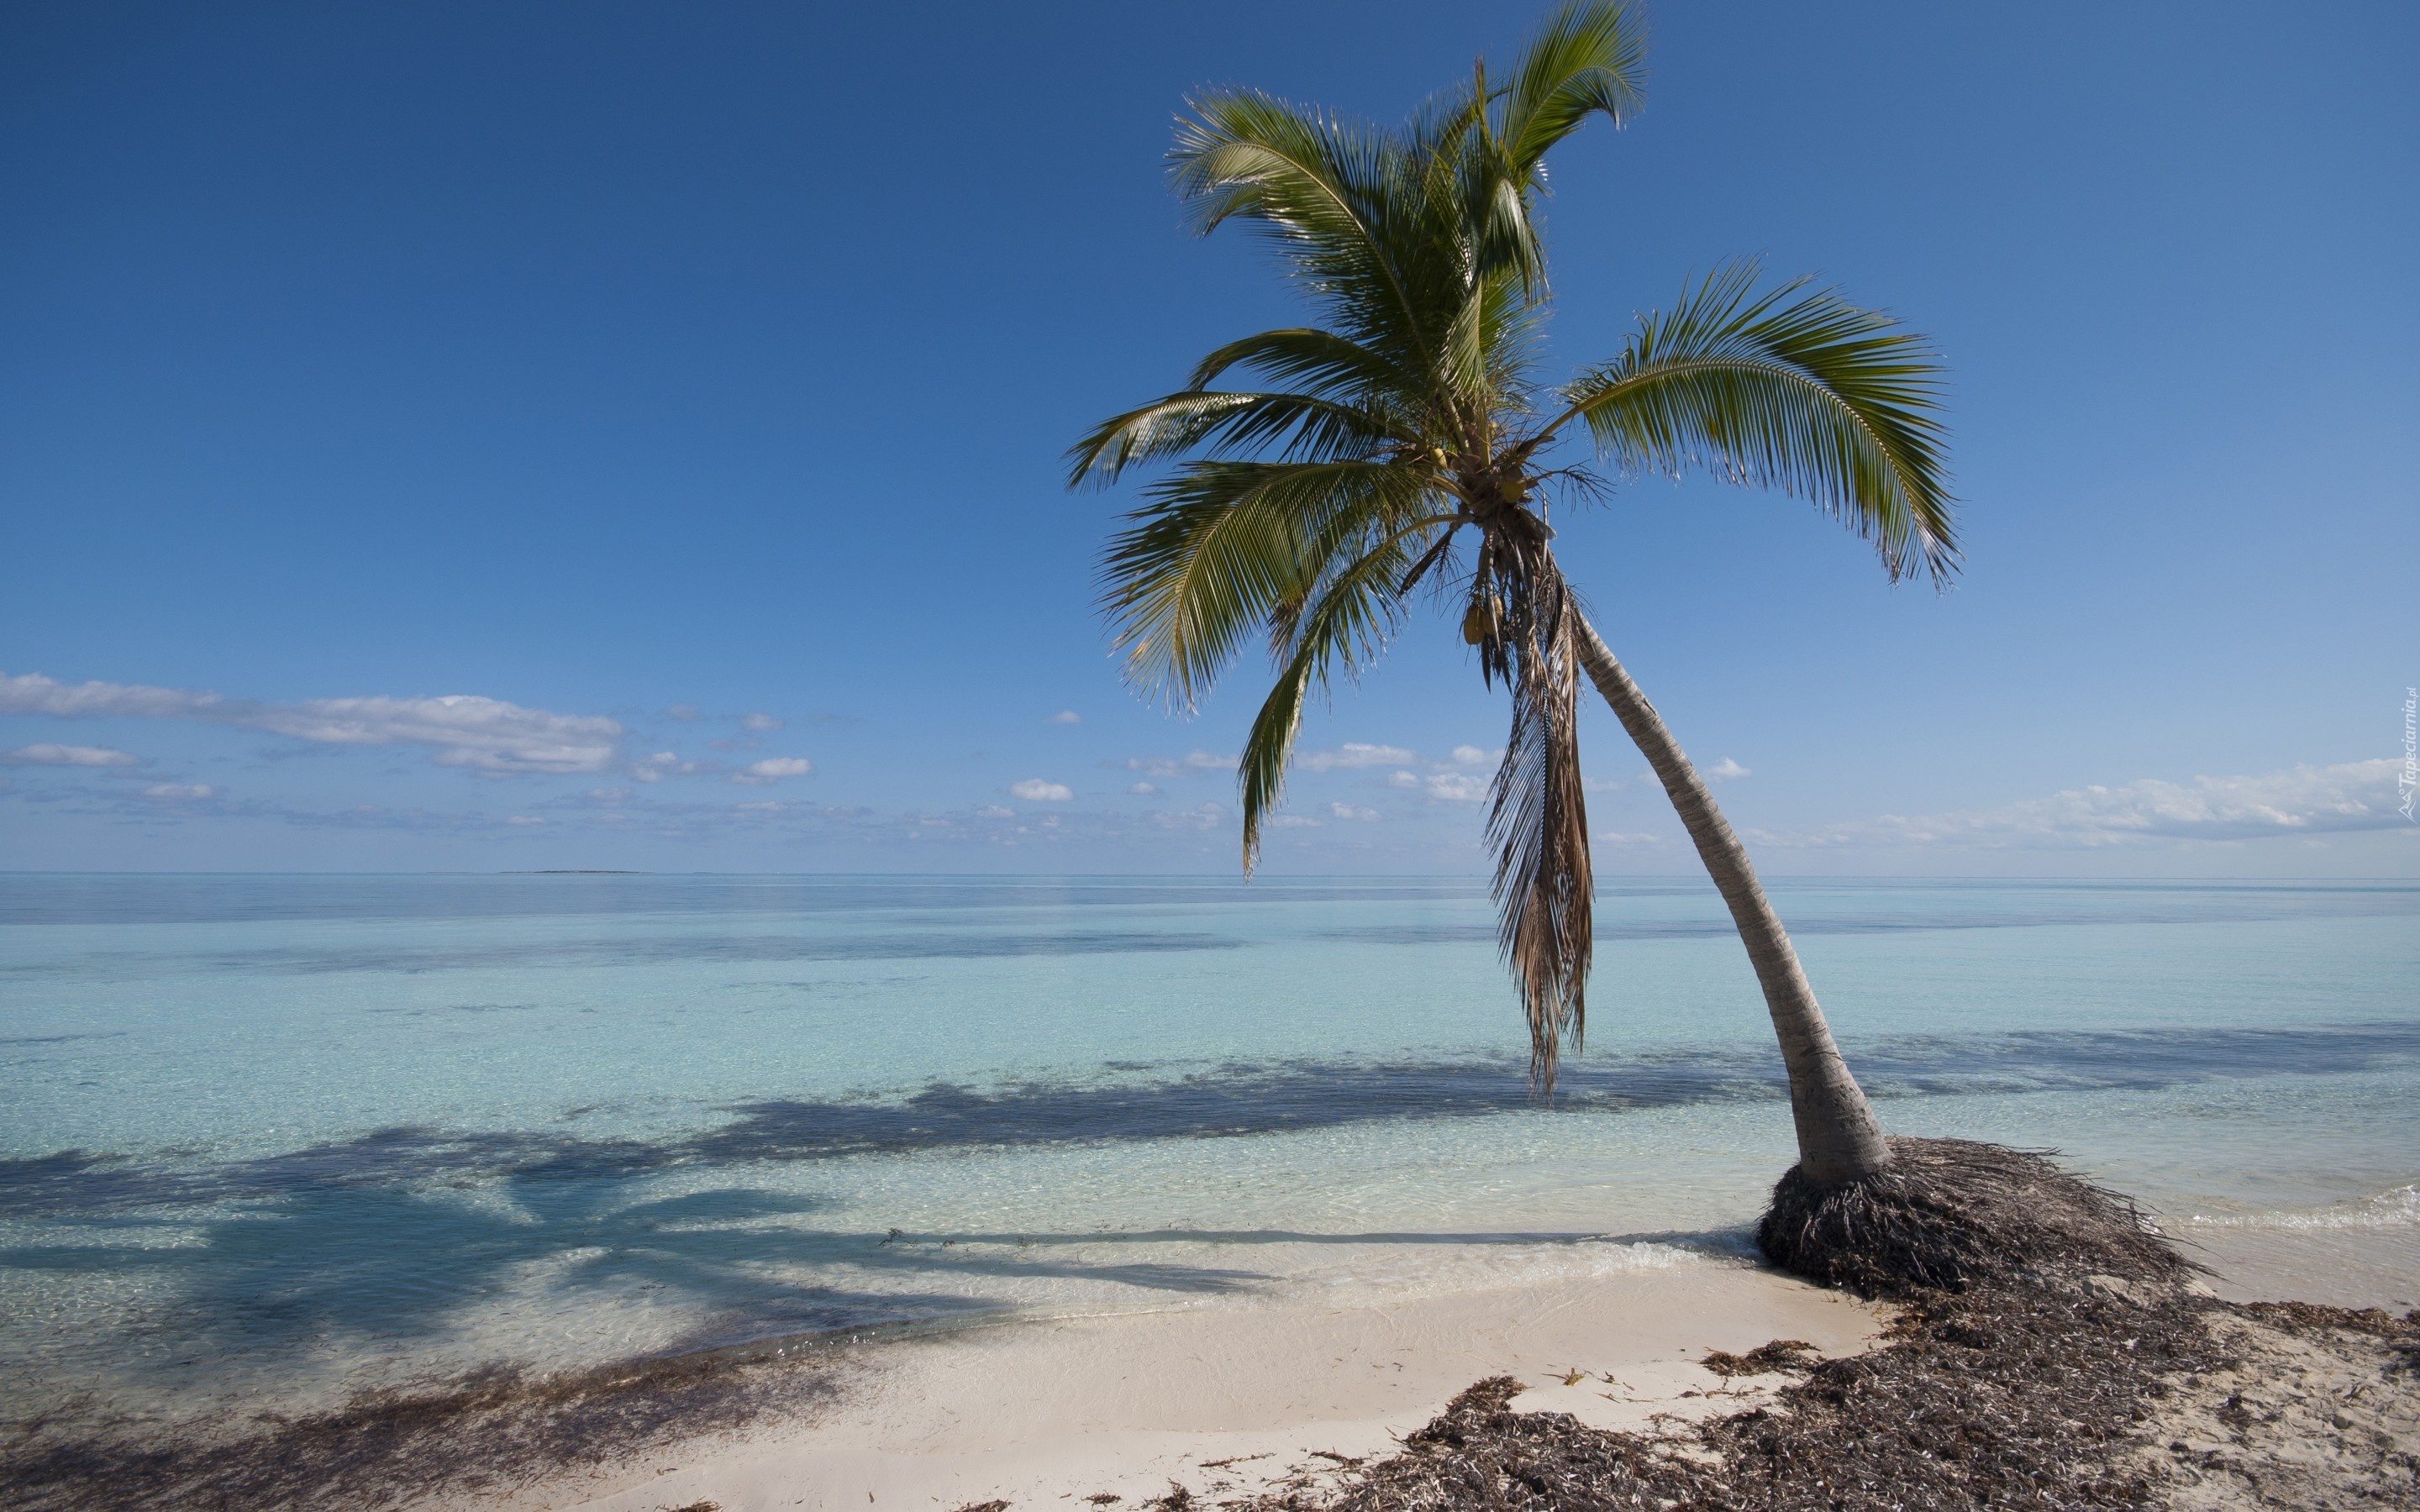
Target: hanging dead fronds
[{"x": 1523, "y": 623}]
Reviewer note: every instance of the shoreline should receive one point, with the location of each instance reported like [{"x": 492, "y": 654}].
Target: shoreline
[
  {"x": 1232, "y": 1395},
  {"x": 1229, "y": 1397},
  {"x": 1240, "y": 1398}
]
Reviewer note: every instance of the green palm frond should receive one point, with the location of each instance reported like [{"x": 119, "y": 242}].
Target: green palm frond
[
  {"x": 1304, "y": 427},
  {"x": 1213, "y": 554},
  {"x": 1402, "y": 515},
  {"x": 1331, "y": 193},
  {"x": 1313, "y": 361},
  {"x": 1345, "y": 623},
  {"x": 1804, "y": 392},
  {"x": 1367, "y": 452},
  {"x": 1590, "y": 58}
]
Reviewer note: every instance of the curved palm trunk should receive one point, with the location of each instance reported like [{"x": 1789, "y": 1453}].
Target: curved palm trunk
[{"x": 1838, "y": 1138}]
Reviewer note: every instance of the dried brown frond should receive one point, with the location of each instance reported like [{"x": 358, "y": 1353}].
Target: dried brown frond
[{"x": 1544, "y": 886}]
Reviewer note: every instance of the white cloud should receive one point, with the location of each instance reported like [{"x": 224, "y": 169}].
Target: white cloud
[
  {"x": 759, "y": 723},
  {"x": 1473, "y": 756},
  {"x": 1194, "y": 764},
  {"x": 480, "y": 734},
  {"x": 772, "y": 769},
  {"x": 1065, "y": 716},
  {"x": 33, "y": 693},
  {"x": 175, "y": 791},
  {"x": 48, "y": 755},
  {"x": 1037, "y": 790},
  {"x": 681, "y": 711},
  {"x": 1455, "y": 787},
  {"x": 1346, "y": 810},
  {"x": 995, "y": 810},
  {"x": 2304, "y": 800},
  {"x": 1293, "y": 820},
  {"x": 1356, "y": 755},
  {"x": 1200, "y": 816},
  {"x": 662, "y": 764},
  {"x": 1725, "y": 769},
  {"x": 1144, "y": 789},
  {"x": 525, "y": 819},
  {"x": 1605, "y": 839},
  {"x": 1445, "y": 787}
]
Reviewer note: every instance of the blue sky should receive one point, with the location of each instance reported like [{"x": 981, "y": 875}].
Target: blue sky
[{"x": 681, "y": 390}]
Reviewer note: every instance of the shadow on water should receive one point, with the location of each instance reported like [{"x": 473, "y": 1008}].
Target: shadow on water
[
  {"x": 402, "y": 1234},
  {"x": 553, "y": 1175},
  {"x": 341, "y": 1258},
  {"x": 484, "y": 1433},
  {"x": 394, "y": 1233},
  {"x": 355, "y": 1260}
]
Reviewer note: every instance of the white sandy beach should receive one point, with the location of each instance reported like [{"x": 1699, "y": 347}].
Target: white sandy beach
[
  {"x": 1233, "y": 1395},
  {"x": 1230, "y": 1395}
]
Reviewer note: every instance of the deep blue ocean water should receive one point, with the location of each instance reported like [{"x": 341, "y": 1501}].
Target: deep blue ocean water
[{"x": 265, "y": 1139}]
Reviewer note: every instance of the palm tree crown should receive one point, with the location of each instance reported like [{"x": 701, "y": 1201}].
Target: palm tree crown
[{"x": 1407, "y": 443}]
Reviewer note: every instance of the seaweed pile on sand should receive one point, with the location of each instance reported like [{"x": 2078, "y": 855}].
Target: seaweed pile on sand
[
  {"x": 475, "y": 1439},
  {"x": 2047, "y": 1350}
]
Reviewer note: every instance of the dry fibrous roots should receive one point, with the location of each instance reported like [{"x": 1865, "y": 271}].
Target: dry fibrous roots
[
  {"x": 1951, "y": 1214},
  {"x": 2042, "y": 1334}
]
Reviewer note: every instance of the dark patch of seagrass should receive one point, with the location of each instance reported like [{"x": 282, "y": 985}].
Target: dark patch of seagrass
[
  {"x": 2401, "y": 1335},
  {"x": 1764, "y": 1360},
  {"x": 483, "y": 1435},
  {"x": 1954, "y": 1213}
]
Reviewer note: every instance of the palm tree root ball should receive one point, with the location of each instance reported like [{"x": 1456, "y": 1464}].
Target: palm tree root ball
[{"x": 1950, "y": 1214}]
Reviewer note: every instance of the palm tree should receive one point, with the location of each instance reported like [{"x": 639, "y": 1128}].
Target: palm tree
[{"x": 1407, "y": 445}]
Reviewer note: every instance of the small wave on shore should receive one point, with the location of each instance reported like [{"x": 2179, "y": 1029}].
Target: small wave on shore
[{"x": 2399, "y": 1209}]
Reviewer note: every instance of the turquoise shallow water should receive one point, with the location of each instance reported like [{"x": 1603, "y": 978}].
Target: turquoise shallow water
[{"x": 269, "y": 1138}]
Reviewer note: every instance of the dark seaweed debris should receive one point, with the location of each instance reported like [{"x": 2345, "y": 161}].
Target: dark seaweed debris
[
  {"x": 485, "y": 1434},
  {"x": 1764, "y": 1360},
  {"x": 1984, "y": 1399},
  {"x": 2040, "y": 1323}
]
